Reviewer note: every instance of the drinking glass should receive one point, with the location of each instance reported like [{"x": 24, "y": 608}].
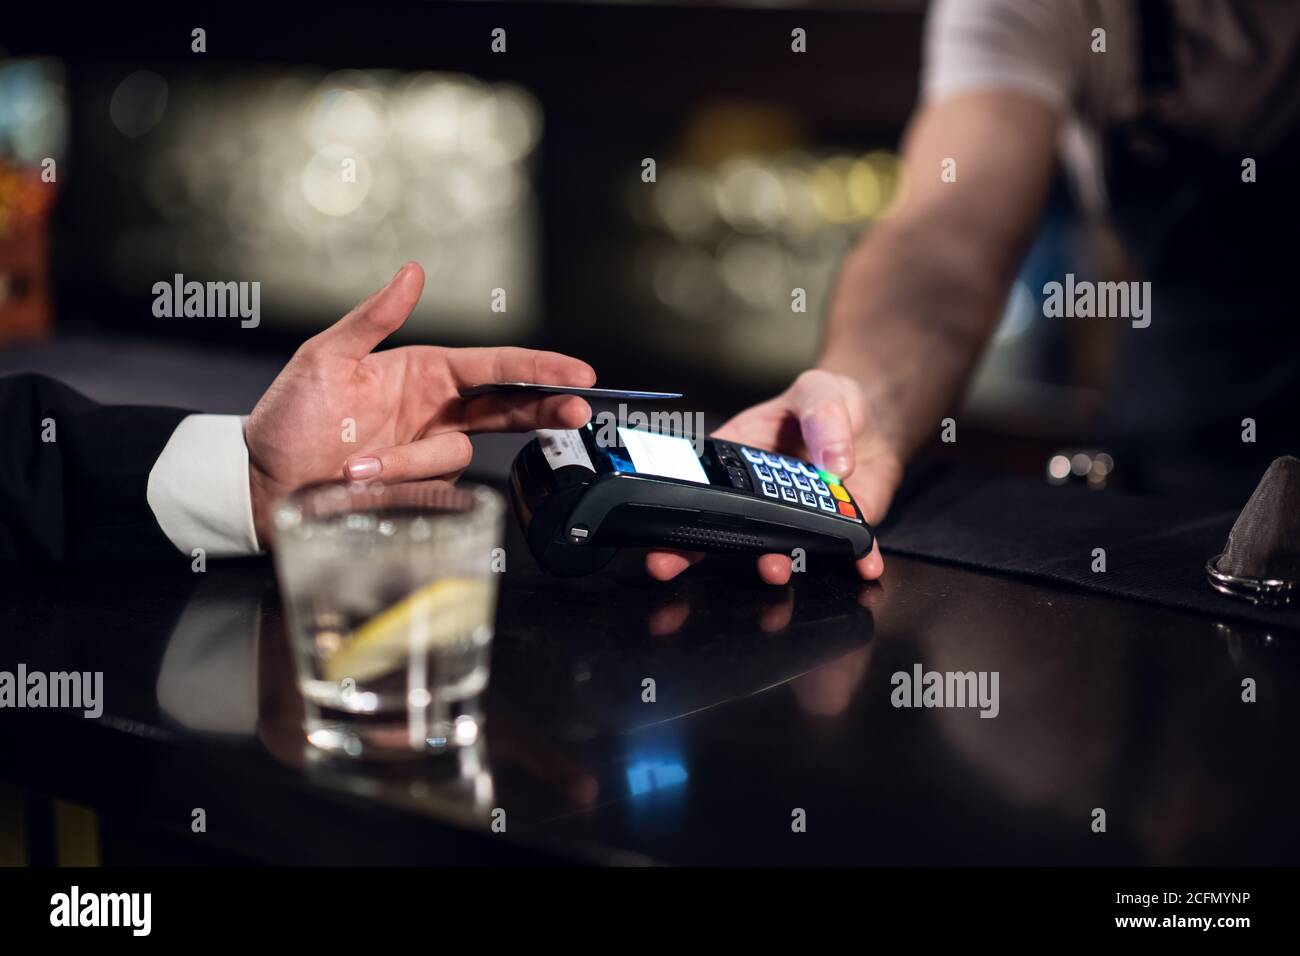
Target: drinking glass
[{"x": 390, "y": 597}]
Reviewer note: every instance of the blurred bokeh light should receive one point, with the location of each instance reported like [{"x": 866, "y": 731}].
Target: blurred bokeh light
[
  {"x": 726, "y": 245},
  {"x": 33, "y": 111},
  {"x": 33, "y": 136},
  {"x": 320, "y": 187}
]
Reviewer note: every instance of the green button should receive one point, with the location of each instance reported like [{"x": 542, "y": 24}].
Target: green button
[{"x": 828, "y": 477}]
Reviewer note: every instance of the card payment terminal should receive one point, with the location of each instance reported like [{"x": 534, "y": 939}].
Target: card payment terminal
[{"x": 580, "y": 495}]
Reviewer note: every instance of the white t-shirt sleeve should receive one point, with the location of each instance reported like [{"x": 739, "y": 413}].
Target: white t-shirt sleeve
[
  {"x": 1034, "y": 47},
  {"x": 198, "y": 487}
]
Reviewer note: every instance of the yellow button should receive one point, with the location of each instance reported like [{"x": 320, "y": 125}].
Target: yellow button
[{"x": 839, "y": 492}]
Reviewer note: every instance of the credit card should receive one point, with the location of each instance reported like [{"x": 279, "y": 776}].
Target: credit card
[{"x": 525, "y": 388}]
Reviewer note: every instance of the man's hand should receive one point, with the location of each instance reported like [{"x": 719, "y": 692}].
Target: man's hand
[
  {"x": 821, "y": 417},
  {"x": 402, "y": 406}
]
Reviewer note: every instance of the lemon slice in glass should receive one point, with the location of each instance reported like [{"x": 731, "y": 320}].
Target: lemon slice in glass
[{"x": 445, "y": 612}]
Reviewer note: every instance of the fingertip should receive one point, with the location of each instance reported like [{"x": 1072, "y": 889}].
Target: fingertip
[
  {"x": 461, "y": 450},
  {"x": 663, "y": 567},
  {"x": 362, "y": 467},
  {"x": 666, "y": 565},
  {"x": 873, "y": 565},
  {"x": 561, "y": 369},
  {"x": 575, "y": 413},
  {"x": 389, "y": 307},
  {"x": 827, "y": 430},
  {"x": 774, "y": 568},
  {"x": 837, "y": 459}
]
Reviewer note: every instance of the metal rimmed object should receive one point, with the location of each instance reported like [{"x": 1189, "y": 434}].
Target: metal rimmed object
[{"x": 1270, "y": 591}]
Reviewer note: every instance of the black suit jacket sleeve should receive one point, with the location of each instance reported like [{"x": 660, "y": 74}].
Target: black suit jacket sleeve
[{"x": 74, "y": 476}]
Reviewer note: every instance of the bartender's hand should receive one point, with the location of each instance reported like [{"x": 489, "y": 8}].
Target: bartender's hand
[
  {"x": 822, "y": 417},
  {"x": 403, "y": 404}
]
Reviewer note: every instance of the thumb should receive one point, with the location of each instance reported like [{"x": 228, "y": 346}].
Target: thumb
[
  {"x": 356, "y": 334},
  {"x": 817, "y": 400}
]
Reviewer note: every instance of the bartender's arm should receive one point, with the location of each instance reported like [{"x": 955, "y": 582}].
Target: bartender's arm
[
  {"x": 86, "y": 484},
  {"x": 915, "y": 303}
]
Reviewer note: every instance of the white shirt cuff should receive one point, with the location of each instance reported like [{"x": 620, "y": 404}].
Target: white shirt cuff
[{"x": 198, "y": 487}]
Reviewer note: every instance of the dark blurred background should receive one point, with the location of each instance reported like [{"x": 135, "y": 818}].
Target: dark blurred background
[{"x": 519, "y": 170}]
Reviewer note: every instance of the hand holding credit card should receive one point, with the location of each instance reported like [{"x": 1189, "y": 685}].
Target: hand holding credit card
[{"x": 526, "y": 388}]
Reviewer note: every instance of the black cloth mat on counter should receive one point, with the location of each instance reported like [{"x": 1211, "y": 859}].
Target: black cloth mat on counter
[{"x": 1156, "y": 548}]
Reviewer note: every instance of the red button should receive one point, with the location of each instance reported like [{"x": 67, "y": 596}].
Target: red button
[{"x": 846, "y": 509}]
